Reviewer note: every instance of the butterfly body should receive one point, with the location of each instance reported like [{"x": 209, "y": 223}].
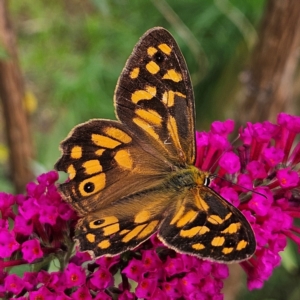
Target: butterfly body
[{"x": 131, "y": 178}]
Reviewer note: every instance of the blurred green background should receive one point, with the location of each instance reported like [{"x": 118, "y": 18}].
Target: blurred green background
[{"x": 72, "y": 52}]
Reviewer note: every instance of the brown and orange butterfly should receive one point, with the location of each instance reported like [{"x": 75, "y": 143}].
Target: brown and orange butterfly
[{"x": 131, "y": 178}]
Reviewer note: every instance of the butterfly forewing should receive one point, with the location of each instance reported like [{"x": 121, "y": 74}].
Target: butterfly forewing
[
  {"x": 104, "y": 160},
  {"x": 154, "y": 96},
  {"x": 131, "y": 178}
]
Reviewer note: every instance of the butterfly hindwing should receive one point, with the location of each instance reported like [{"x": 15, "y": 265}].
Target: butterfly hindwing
[{"x": 125, "y": 224}]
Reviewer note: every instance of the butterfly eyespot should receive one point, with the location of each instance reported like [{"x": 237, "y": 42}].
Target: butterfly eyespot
[
  {"x": 89, "y": 187},
  {"x": 98, "y": 222},
  {"x": 230, "y": 243},
  {"x": 159, "y": 57}
]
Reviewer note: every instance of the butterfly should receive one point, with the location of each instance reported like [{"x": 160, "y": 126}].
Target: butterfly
[{"x": 131, "y": 178}]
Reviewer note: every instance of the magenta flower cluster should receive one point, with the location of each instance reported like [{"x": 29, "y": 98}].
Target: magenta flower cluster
[
  {"x": 266, "y": 163},
  {"x": 42, "y": 231},
  {"x": 261, "y": 179}
]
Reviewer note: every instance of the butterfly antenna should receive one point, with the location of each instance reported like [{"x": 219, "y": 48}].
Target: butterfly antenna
[
  {"x": 222, "y": 178},
  {"x": 236, "y": 184}
]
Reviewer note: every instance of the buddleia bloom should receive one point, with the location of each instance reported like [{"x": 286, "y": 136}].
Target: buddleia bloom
[
  {"x": 260, "y": 176},
  {"x": 261, "y": 179}
]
